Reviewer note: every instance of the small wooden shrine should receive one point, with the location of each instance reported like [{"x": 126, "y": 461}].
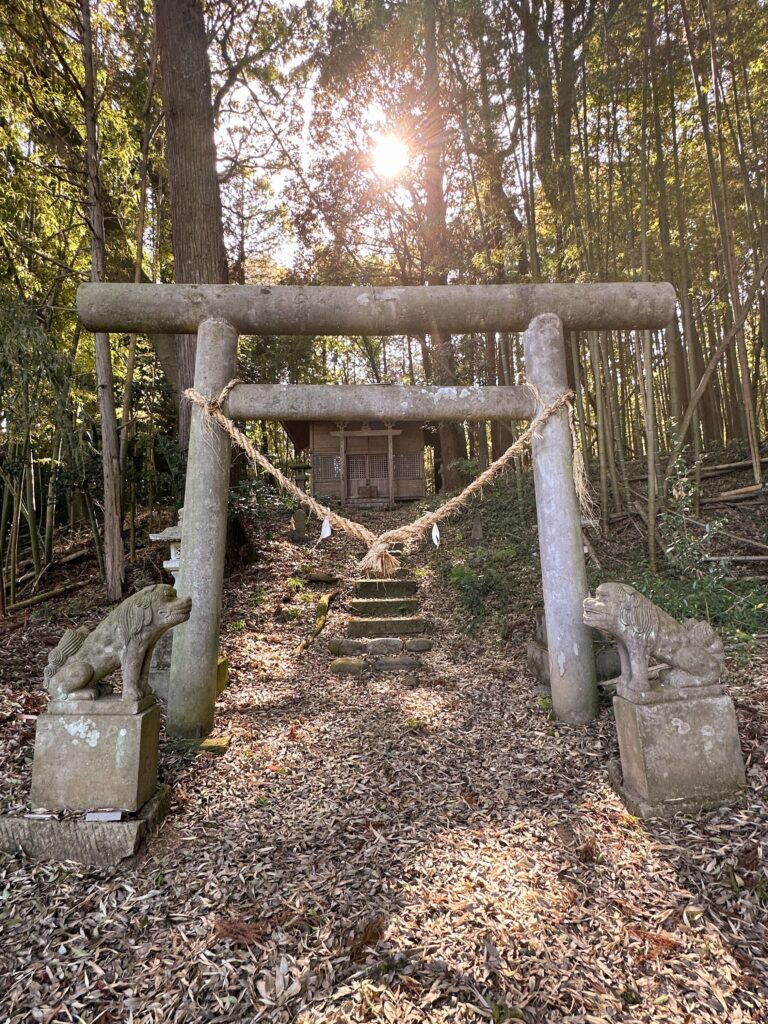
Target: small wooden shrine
[{"x": 369, "y": 462}]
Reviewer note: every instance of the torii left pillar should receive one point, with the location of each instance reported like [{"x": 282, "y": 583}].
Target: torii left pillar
[{"x": 192, "y": 688}]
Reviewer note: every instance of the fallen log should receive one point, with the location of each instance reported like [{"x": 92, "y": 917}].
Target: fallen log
[
  {"x": 718, "y": 499},
  {"x": 721, "y": 469},
  {"x": 71, "y": 557},
  {"x": 48, "y": 596},
  {"x": 736, "y": 558},
  {"x": 739, "y": 491},
  {"x": 733, "y": 536}
]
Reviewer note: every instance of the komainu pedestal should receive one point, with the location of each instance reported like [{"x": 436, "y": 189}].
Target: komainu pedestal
[
  {"x": 678, "y": 755},
  {"x": 96, "y": 754},
  {"x": 678, "y": 738}
]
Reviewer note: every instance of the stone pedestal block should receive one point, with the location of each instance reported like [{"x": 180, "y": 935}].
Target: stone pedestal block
[
  {"x": 103, "y": 843},
  {"x": 94, "y": 754},
  {"x": 677, "y": 755}
]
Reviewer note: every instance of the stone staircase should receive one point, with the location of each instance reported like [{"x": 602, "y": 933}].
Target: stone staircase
[{"x": 385, "y": 631}]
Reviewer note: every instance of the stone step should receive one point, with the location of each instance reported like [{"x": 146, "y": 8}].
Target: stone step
[
  {"x": 368, "y": 503},
  {"x": 418, "y": 643},
  {"x": 347, "y": 666},
  {"x": 321, "y": 577},
  {"x": 381, "y": 607},
  {"x": 339, "y": 646},
  {"x": 396, "y": 663},
  {"x": 386, "y": 588},
  {"x": 409, "y": 626}
]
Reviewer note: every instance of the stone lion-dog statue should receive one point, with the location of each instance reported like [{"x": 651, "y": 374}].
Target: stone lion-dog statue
[
  {"x": 123, "y": 640},
  {"x": 692, "y": 649}
]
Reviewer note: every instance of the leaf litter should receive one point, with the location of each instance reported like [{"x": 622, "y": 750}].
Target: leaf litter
[{"x": 338, "y": 864}]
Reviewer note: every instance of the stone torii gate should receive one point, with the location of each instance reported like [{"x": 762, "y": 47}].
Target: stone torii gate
[{"x": 219, "y": 313}]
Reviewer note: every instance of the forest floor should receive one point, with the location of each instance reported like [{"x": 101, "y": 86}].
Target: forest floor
[{"x": 431, "y": 849}]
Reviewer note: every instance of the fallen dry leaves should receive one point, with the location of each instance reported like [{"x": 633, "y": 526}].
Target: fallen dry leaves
[{"x": 385, "y": 849}]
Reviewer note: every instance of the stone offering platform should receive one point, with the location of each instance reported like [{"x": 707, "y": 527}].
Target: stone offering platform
[{"x": 160, "y": 677}]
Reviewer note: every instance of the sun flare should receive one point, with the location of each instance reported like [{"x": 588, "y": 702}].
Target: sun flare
[{"x": 389, "y": 156}]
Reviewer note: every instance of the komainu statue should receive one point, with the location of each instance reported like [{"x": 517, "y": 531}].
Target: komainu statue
[
  {"x": 124, "y": 640},
  {"x": 691, "y": 649}
]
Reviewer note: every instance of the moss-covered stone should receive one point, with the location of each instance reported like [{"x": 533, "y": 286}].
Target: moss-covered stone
[
  {"x": 347, "y": 666},
  {"x": 419, "y": 644},
  {"x": 340, "y": 647}
]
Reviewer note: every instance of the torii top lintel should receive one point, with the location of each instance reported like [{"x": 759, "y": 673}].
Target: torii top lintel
[{"x": 417, "y": 309}]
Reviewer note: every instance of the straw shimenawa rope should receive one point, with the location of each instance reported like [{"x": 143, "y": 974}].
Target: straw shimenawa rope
[{"x": 379, "y": 561}]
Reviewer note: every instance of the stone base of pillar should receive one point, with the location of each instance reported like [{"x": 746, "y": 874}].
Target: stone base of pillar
[
  {"x": 160, "y": 678},
  {"x": 679, "y": 753},
  {"x": 160, "y": 666},
  {"x": 607, "y": 661},
  {"x": 96, "y": 754},
  {"x": 607, "y": 664},
  {"x": 159, "y": 681}
]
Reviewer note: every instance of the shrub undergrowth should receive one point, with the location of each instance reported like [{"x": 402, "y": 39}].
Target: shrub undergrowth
[{"x": 500, "y": 578}]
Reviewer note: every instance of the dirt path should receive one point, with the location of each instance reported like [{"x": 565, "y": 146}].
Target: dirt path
[{"x": 379, "y": 850}]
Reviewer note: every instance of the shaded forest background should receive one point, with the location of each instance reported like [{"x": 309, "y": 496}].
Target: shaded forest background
[{"x": 581, "y": 140}]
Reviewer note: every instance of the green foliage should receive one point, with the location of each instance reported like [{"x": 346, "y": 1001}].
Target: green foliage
[
  {"x": 290, "y": 613},
  {"x": 503, "y": 578},
  {"x": 689, "y": 586},
  {"x": 685, "y": 548},
  {"x": 501, "y": 1014},
  {"x": 545, "y": 703},
  {"x": 33, "y": 373},
  {"x": 156, "y": 465},
  {"x": 253, "y": 498},
  {"x": 631, "y": 997},
  {"x": 736, "y": 607},
  {"x": 469, "y": 468},
  {"x": 415, "y": 724},
  {"x": 500, "y": 578}
]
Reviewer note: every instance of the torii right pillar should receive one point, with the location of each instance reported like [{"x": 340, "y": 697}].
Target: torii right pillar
[{"x": 561, "y": 545}]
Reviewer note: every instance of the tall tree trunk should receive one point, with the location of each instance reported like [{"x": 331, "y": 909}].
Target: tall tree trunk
[
  {"x": 199, "y": 256},
  {"x": 140, "y": 219},
  {"x": 50, "y": 499},
  {"x": 114, "y": 557},
  {"x": 452, "y": 440}
]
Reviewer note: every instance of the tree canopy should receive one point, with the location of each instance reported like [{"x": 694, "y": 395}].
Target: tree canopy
[{"x": 409, "y": 142}]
